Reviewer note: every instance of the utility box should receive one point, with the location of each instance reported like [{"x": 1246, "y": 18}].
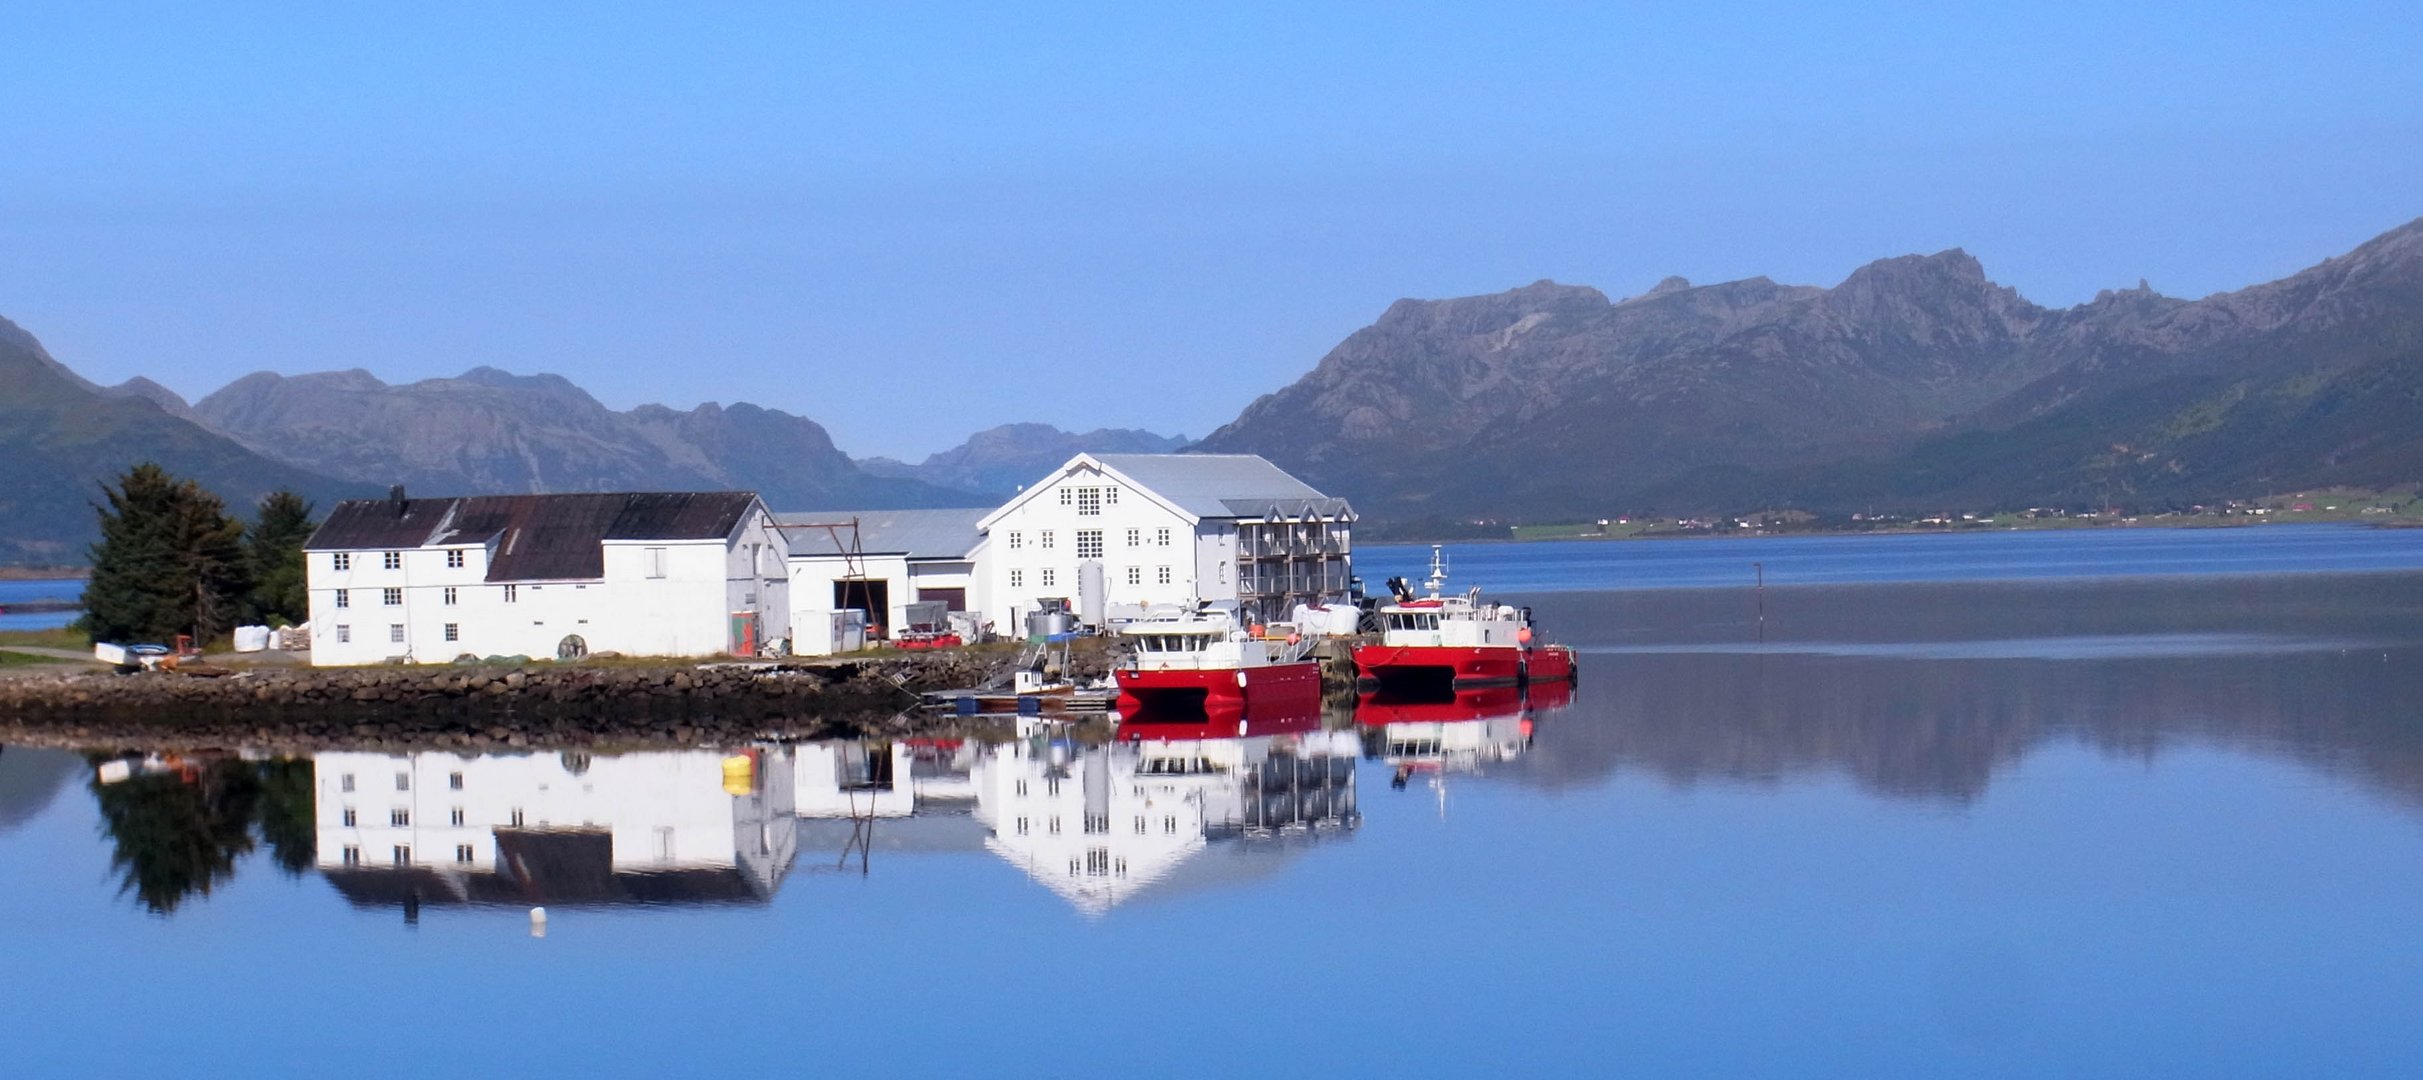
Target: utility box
[
  {"x": 925, "y": 615},
  {"x": 844, "y": 631}
]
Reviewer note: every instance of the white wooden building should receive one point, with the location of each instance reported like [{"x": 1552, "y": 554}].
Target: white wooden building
[
  {"x": 1112, "y": 532},
  {"x": 879, "y": 562},
  {"x": 569, "y": 828},
  {"x": 428, "y": 580}
]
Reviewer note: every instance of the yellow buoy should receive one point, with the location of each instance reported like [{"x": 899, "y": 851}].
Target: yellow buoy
[{"x": 740, "y": 774}]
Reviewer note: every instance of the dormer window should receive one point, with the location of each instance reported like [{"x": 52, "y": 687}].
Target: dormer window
[{"x": 454, "y": 559}]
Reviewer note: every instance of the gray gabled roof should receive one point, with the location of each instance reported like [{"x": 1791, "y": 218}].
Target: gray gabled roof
[
  {"x": 1220, "y": 485},
  {"x": 918, "y": 534}
]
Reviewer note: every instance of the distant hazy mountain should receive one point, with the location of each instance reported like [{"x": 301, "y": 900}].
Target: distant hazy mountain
[
  {"x": 488, "y": 431},
  {"x": 1000, "y": 460},
  {"x": 1916, "y": 381},
  {"x": 61, "y": 437}
]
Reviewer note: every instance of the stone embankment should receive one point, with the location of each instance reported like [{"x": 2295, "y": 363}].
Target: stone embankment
[{"x": 537, "y": 704}]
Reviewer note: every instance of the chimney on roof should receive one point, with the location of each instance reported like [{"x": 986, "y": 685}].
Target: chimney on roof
[{"x": 395, "y": 499}]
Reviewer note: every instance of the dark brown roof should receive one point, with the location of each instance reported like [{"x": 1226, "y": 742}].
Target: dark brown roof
[{"x": 533, "y": 537}]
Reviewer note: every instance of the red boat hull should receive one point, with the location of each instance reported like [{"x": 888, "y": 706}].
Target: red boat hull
[
  {"x": 1463, "y": 665},
  {"x": 1269, "y": 686}
]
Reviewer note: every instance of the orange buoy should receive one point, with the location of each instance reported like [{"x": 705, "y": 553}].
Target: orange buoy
[{"x": 1523, "y": 635}]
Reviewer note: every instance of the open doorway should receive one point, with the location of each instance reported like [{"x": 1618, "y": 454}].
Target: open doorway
[{"x": 870, "y": 595}]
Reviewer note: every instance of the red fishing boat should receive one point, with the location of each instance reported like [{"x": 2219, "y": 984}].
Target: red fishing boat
[
  {"x": 1457, "y": 641},
  {"x": 1205, "y": 660}
]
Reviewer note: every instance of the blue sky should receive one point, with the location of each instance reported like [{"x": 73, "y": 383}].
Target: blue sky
[{"x": 908, "y": 223}]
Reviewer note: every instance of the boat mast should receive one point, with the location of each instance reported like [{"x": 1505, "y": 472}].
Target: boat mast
[{"x": 1438, "y": 570}]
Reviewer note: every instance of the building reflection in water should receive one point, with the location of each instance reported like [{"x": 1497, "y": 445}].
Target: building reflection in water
[
  {"x": 1169, "y": 804},
  {"x": 1174, "y": 802},
  {"x": 558, "y": 829}
]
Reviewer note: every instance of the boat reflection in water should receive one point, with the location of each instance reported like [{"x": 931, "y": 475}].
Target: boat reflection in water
[
  {"x": 1461, "y": 732},
  {"x": 1176, "y": 801}
]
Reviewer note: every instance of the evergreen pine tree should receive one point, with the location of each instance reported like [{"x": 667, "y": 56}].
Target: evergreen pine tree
[
  {"x": 273, "y": 550},
  {"x": 170, "y": 561}
]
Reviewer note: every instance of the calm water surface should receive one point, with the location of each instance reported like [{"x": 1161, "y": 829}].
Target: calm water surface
[
  {"x": 2048, "y": 824},
  {"x": 13, "y": 593}
]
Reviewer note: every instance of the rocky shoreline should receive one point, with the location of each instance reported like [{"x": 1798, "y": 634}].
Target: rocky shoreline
[{"x": 484, "y": 706}]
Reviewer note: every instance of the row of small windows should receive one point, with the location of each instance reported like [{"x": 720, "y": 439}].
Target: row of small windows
[
  {"x": 449, "y": 596},
  {"x": 1045, "y": 578},
  {"x": 456, "y": 559},
  {"x": 1089, "y": 541},
  {"x": 401, "y": 817},
  {"x": 1089, "y": 501},
  {"x": 395, "y": 633},
  {"x": 403, "y": 781},
  {"x": 403, "y": 854}
]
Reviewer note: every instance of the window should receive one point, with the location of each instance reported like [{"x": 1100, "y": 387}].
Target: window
[
  {"x": 510, "y": 593},
  {"x": 1122, "y": 865},
  {"x": 399, "y": 817},
  {"x": 1139, "y": 824},
  {"x": 403, "y": 781},
  {"x": 393, "y": 560},
  {"x": 1045, "y": 540},
  {"x": 454, "y": 631},
  {"x": 1051, "y": 787},
  {"x": 395, "y": 633},
  {"x": 1089, "y": 543},
  {"x": 1135, "y": 575},
  {"x": 403, "y": 854},
  {"x": 345, "y": 783},
  {"x": 1169, "y": 824},
  {"x": 455, "y": 781},
  {"x": 1022, "y": 789},
  {"x": 1089, "y": 502},
  {"x": 1161, "y": 538},
  {"x": 517, "y": 817},
  {"x": 1055, "y": 827},
  {"x": 1068, "y": 496},
  {"x": 342, "y": 560},
  {"x": 454, "y": 559},
  {"x": 1110, "y": 496},
  {"x": 655, "y": 561},
  {"x": 1224, "y": 572},
  {"x": 462, "y": 853},
  {"x": 350, "y": 818},
  {"x": 1097, "y": 862},
  {"x": 1022, "y": 826},
  {"x": 455, "y": 818},
  {"x": 1135, "y": 538},
  {"x": 1097, "y": 823},
  {"x": 1162, "y": 575},
  {"x": 353, "y": 855},
  {"x": 1045, "y": 577},
  {"x": 1017, "y": 579},
  {"x": 344, "y": 599},
  {"x": 1017, "y": 539},
  {"x": 344, "y": 634},
  {"x": 452, "y": 594},
  {"x": 391, "y": 597}
]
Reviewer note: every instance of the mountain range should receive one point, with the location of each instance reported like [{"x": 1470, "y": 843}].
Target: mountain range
[
  {"x": 999, "y": 460},
  {"x": 62, "y": 437},
  {"x": 1915, "y": 383}
]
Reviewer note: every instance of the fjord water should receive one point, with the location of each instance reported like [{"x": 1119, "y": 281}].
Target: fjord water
[{"x": 1965, "y": 822}]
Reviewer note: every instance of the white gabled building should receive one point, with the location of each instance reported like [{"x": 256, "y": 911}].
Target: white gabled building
[
  {"x": 879, "y": 562},
  {"x": 568, "y": 828},
  {"x": 1119, "y": 531},
  {"x": 642, "y": 574}
]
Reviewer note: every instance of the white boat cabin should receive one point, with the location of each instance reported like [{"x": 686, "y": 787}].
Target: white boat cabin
[
  {"x": 1453, "y": 621},
  {"x": 1207, "y": 640}
]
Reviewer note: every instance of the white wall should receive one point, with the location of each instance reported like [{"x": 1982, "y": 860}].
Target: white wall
[
  {"x": 665, "y": 810},
  {"x": 1014, "y": 547},
  {"x": 686, "y": 612}
]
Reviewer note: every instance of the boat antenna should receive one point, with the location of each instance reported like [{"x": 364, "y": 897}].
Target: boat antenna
[{"x": 1438, "y": 570}]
